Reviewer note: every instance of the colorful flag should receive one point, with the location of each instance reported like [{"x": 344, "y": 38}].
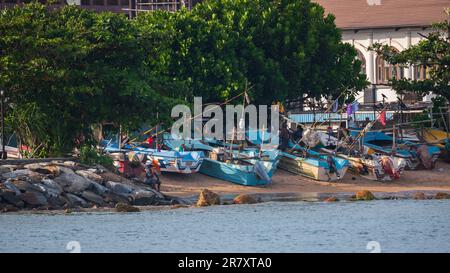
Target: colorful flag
[
  {"x": 349, "y": 110},
  {"x": 382, "y": 118}
]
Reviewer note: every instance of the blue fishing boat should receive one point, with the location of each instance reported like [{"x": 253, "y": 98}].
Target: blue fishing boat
[
  {"x": 169, "y": 161},
  {"x": 313, "y": 165},
  {"x": 379, "y": 142},
  {"x": 262, "y": 139},
  {"x": 177, "y": 144},
  {"x": 248, "y": 168}
]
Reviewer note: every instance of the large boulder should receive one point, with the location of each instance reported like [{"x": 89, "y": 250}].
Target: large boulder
[
  {"x": 93, "y": 198},
  {"x": 99, "y": 189},
  {"x": 58, "y": 202},
  {"x": 52, "y": 187},
  {"x": 331, "y": 199},
  {"x": 7, "y": 168},
  {"x": 11, "y": 197},
  {"x": 145, "y": 198},
  {"x": 22, "y": 185},
  {"x": 442, "y": 195},
  {"x": 119, "y": 188},
  {"x": 44, "y": 168},
  {"x": 90, "y": 175},
  {"x": 10, "y": 186},
  {"x": 112, "y": 198},
  {"x": 8, "y": 208},
  {"x": 122, "y": 207},
  {"x": 208, "y": 198},
  {"x": 73, "y": 183},
  {"x": 65, "y": 170},
  {"x": 24, "y": 174},
  {"x": 244, "y": 199},
  {"x": 364, "y": 195},
  {"x": 419, "y": 196},
  {"x": 75, "y": 201},
  {"x": 34, "y": 199}
]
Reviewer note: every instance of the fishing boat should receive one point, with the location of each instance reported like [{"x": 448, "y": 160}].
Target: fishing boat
[
  {"x": 261, "y": 139},
  {"x": 373, "y": 167},
  {"x": 378, "y": 142},
  {"x": 248, "y": 168},
  {"x": 313, "y": 165},
  {"x": 177, "y": 144},
  {"x": 435, "y": 137},
  {"x": 169, "y": 161}
]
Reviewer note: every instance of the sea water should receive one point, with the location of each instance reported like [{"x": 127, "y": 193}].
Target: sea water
[{"x": 376, "y": 226}]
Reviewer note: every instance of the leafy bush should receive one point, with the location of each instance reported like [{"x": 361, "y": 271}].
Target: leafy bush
[{"x": 90, "y": 156}]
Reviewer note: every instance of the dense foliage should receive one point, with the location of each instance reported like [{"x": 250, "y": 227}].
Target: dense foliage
[
  {"x": 285, "y": 49},
  {"x": 64, "y": 70}
]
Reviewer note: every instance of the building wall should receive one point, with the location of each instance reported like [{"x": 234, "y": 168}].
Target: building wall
[{"x": 400, "y": 39}]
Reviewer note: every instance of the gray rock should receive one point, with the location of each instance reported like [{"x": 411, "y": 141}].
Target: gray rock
[
  {"x": 99, "y": 189},
  {"x": 17, "y": 174},
  {"x": 23, "y": 185},
  {"x": 119, "y": 188},
  {"x": 73, "y": 183},
  {"x": 11, "y": 197},
  {"x": 65, "y": 170},
  {"x": 12, "y": 187},
  {"x": 75, "y": 201},
  {"x": 90, "y": 175},
  {"x": 144, "y": 198},
  {"x": 57, "y": 202},
  {"x": 24, "y": 174},
  {"x": 34, "y": 199},
  {"x": 49, "y": 188},
  {"x": 50, "y": 184},
  {"x": 94, "y": 198},
  {"x": 113, "y": 198},
  {"x": 7, "y": 168},
  {"x": 43, "y": 168}
]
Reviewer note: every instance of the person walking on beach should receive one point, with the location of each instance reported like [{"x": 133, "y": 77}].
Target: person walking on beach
[
  {"x": 151, "y": 174},
  {"x": 284, "y": 137}
]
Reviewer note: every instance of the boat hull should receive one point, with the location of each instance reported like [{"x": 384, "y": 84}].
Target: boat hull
[
  {"x": 169, "y": 161},
  {"x": 310, "y": 168},
  {"x": 238, "y": 174}
]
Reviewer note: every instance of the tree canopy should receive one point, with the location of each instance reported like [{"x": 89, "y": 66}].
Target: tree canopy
[
  {"x": 65, "y": 69},
  {"x": 285, "y": 49}
]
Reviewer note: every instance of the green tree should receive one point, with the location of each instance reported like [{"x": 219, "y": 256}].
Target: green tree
[
  {"x": 285, "y": 49},
  {"x": 65, "y": 69}
]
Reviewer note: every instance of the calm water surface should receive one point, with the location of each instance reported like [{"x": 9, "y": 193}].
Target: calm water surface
[{"x": 398, "y": 226}]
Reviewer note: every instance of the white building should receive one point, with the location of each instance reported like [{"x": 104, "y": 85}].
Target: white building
[{"x": 398, "y": 23}]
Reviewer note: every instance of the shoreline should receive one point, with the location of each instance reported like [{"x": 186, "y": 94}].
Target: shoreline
[
  {"x": 227, "y": 200},
  {"x": 180, "y": 191}
]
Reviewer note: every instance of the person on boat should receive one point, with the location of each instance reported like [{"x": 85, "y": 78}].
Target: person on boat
[
  {"x": 151, "y": 174},
  {"x": 284, "y": 136},
  {"x": 351, "y": 123},
  {"x": 366, "y": 122},
  {"x": 298, "y": 134}
]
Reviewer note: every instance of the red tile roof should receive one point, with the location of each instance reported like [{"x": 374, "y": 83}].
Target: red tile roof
[{"x": 358, "y": 14}]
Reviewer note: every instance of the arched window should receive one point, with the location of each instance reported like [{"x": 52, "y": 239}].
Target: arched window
[
  {"x": 386, "y": 71},
  {"x": 421, "y": 72},
  {"x": 360, "y": 57}
]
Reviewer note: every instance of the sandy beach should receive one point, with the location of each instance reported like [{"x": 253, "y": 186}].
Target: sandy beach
[{"x": 285, "y": 182}]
